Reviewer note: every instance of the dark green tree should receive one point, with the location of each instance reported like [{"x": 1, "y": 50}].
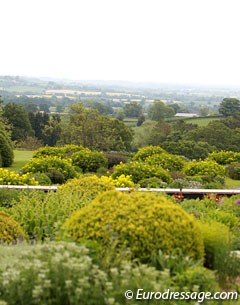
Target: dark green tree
[
  {"x": 17, "y": 116},
  {"x": 160, "y": 111},
  {"x": 229, "y": 106},
  {"x": 132, "y": 110}
]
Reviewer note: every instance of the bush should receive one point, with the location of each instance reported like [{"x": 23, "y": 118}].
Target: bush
[
  {"x": 217, "y": 244},
  {"x": 233, "y": 171},
  {"x": 11, "y": 178},
  {"x": 141, "y": 170},
  {"x": 6, "y": 151},
  {"x": 143, "y": 222},
  {"x": 7, "y": 196},
  {"x": 147, "y": 151},
  {"x": 123, "y": 181},
  {"x": 204, "y": 168},
  {"x": 170, "y": 162},
  {"x": 56, "y": 177},
  {"x": 61, "y": 152},
  {"x": 225, "y": 157},
  {"x": 42, "y": 215},
  {"x": 115, "y": 158},
  {"x": 89, "y": 161},
  {"x": 49, "y": 164},
  {"x": 10, "y": 230},
  {"x": 152, "y": 183},
  {"x": 64, "y": 273},
  {"x": 41, "y": 178}
]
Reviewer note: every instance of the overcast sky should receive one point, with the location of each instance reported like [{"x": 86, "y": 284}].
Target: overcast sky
[{"x": 183, "y": 41}]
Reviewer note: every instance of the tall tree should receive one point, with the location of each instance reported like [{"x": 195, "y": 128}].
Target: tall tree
[
  {"x": 17, "y": 116},
  {"x": 160, "y": 111},
  {"x": 229, "y": 106},
  {"x": 90, "y": 129}
]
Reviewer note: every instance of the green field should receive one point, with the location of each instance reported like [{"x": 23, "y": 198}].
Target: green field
[
  {"x": 202, "y": 121},
  {"x": 21, "y": 157}
]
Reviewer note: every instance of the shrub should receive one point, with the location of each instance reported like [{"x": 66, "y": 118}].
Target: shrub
[
  {"x": 123, "y": 181},
  {"x": 41, "y": 178},
  {"x": 64, "y": 273},
  {"x": 11, "y": 178},
  {"x": 147, "y": 151},
  {"x": 61, "y": 152},
  {"x": 167, "y": 161},
  {"x": 141, "y": 170},
  {"x": 152, "y": 183},
  {"x": 89, "y": 161},
  {"x": 186, "y": 183},
  {"x": 115, "y": 158},
  {"x": 10, "y": 230},
  {"x": 56, "y": 177},
  {"x": 233, "y": 171},
  {"x": 225, "y": 157},
  {"x": 48, "y": 164},
  {"x": 143, "y": 222},
  {"x": 41, "y": 215},
  {"x": 6, "y": 151},
  {"x": 206, "y": 169},
  {"x": 217, "y": 244},
  {"x": 7, "y": 196}
]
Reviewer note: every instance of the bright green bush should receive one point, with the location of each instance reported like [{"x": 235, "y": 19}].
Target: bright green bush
[
  {"x": 41, "y": 215},
  {"x": 10, "y": 230},
  {"x": 207, "y": 168},
  {"x": 64, "y": 273},
  {"x": 63, "y": 151},
  {"x": 41, "y": 178},
  {"x": 224, "y": 157},
  {"x": 7, "y": 196},
  {"x": 141, "y": 170},
  {"x": 167, "y": 161},
  {"x": 11, "y": 178},
  {"x": 48, "y": 164},
  {"x": 142, "y": 221},
  {"x": 147, "y": 151},
  {"x": 89, "y": 161},
  {"x": 217, "y": 244}
]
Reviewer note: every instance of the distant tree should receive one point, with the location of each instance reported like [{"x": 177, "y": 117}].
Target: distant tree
[
  {"x": 141, "y": 120},
  {"x": 159, "y": 133},
  {"x": 229, "y": 106},
  {"x": 44, "y": 107},
  {"x": 132, "y": 110},
  {"x": 38, "y": 122},
  {"x": 90, "y": 129},
  {"x": 52, "y": 130},
  {"x": 160, "y": 111},
  {"x": 203, "y": 111},
  {"x": 17, "y": 116},
  {"x": 30, "y": 107}
]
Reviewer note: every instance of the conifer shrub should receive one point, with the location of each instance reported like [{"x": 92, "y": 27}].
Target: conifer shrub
[
  {"x": 147, "y": 151},
  {"x": 10, "y": 230},
  {"x": 144, "y": 222},
  {"x": 6, "y": 150}
]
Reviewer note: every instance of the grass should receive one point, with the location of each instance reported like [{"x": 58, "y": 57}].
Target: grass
[
  {"x": 232, "y": 184},
  {"x": 202, "y": 121},
  {"x": 21, "y": 157}
]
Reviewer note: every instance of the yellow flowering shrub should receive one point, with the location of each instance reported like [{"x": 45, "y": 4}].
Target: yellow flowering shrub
[
  {"x": 123, "y": 181},
  {"x": 11, "y": 178},
  {"x": 144, "y": 222},
  {"x": 147, "y": 151},
  {"x": 10, "y": 230}
]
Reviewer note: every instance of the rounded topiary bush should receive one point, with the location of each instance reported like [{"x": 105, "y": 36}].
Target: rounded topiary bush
[
  {"x": 144, "y": 222},
  {"x": 147, "y": 151},
  {"x": 10, "y": 230},
  {"x": 89, "y": 161}
]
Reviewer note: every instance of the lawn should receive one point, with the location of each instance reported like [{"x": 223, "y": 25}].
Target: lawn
[
  {"x": 232, "y": 184},
  {"x": 21, "y": 157}
]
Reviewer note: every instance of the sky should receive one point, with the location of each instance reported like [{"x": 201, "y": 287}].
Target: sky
[{"x": 170, "y": 41}]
